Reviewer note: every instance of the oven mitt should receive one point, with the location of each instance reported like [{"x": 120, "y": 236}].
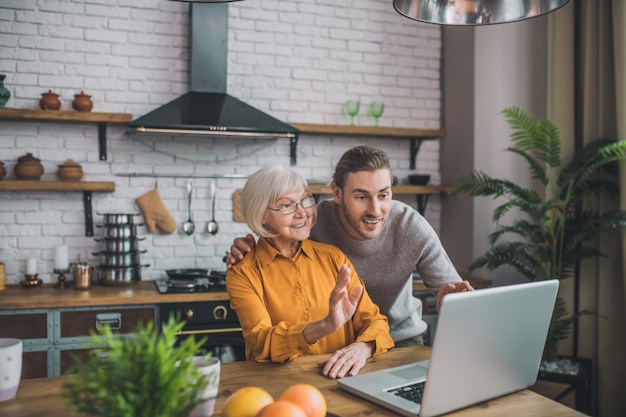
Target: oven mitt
[{"x": 155, "y": 213}]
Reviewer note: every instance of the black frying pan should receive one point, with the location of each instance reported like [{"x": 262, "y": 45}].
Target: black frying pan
[{"x": 186, "y": 273}]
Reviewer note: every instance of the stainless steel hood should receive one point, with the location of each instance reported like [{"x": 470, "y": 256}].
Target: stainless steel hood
[{"x": 206, "y": 109}]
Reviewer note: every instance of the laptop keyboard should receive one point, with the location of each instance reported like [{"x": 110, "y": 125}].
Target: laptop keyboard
[{"x": 412, "y": 392}]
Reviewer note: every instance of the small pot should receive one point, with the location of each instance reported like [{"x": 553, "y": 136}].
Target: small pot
[
  {"x": 119, "y": 231},
  {"x": 118, "y": 218},
  {"x": 50, "y": 101},
  {"x": 120, "y": 245},
  {"x": 114, "y": 259},
  {"x": 82, "y": 102},
  {"x": 120, "y": 276},
  {"x": 3, "y": 170},
  {"x": 28, "y": 168},
  {"x": 70, "y": 171}
]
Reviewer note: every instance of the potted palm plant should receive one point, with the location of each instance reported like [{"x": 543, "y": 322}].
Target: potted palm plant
[
  {"x": 551, "y": 234},
  {"x": 144, "y": 375}
]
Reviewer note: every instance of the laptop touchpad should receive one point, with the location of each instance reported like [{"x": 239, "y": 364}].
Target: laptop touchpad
[{"x": 411, "y": 372}]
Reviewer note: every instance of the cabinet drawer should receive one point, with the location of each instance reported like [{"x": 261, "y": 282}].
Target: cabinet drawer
[
  {"x": 35, "y": 364},
  {"x": 82, "y": 323},
  {"x": 24, "y": 325}
]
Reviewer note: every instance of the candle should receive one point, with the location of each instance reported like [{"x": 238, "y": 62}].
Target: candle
[
  {"x": 31, "y": 266},
  {"x": 60, "y": 258}
]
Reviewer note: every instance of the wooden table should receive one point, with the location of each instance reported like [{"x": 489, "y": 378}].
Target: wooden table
[{"x": 40, "y": 397}]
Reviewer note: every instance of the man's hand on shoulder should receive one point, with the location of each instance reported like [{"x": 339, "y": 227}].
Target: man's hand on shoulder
[{"x": 238, "y": 250}]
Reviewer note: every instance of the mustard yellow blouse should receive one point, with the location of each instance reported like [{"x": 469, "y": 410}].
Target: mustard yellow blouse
[{"x": 275, "y": 297}]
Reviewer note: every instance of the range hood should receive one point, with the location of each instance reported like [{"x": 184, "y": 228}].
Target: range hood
[{"x": 206, "y": 109}]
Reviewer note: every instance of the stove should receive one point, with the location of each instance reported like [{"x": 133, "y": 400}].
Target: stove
[{"x": 215, "y": 281}]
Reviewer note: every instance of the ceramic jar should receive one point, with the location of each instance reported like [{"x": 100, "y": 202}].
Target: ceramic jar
[
  {"x": 70, "y": 171},
  {"x": 82, "y": 102},
  {"x": 28, "y": 168},
  {"x": 3, "y": 170},
  {"x": 50, "y": 101}
]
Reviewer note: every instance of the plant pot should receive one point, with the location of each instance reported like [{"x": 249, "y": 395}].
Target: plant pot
[
  {"x": 82, "y": 102},
  {"x": 28, "y": 168},
  {"x": 50, "y": 101}
]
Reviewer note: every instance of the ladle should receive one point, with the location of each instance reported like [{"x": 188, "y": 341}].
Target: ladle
[
  {"x": 189, "y": 225},
  {"x": 212, "y": 227}
]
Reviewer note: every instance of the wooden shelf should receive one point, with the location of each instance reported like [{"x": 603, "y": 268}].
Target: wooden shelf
[
  {"x": 60, "y": 116},
  {"x": 416, "y": 136},
  {"x": 367, "y": 131},
  {"x": 33, "y": 115},
  {"x": 57, "y": 186},
  {"x": 87, "y": 189}
]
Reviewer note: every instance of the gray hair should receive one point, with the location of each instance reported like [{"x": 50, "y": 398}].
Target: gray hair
[{"x": 263, "y": 189}]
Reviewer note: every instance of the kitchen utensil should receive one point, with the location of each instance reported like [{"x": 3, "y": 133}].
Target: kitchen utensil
[
  {"x": 120, "y": 245},
  {"x": 186, "y": 273},
  {"x": 119, "y": 231},
  {"x": 118, "y": 218},
  {"x": 213, "y": 227},
  {"x": 189, "y": 226},
  {"x": 115, "y": 276},
  {"x": 107, "y": 259}
]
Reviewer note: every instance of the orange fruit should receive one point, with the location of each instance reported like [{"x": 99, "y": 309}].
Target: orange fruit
[
  {"x": 281, "y": 408},
  {"x": 246, "y": 402},
  {"x": 307, "y": 397}
]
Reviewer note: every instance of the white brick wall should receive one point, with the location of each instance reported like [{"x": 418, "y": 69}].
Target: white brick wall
[{"x": 297, "y": 60}]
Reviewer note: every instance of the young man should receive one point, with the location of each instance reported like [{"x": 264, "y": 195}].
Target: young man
[{"x": 385, "y": 239}]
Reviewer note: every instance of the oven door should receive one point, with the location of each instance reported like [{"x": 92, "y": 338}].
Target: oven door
[{"x": 214, "y": 321}]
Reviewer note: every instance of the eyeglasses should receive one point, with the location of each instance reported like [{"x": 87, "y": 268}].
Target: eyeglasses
[{"x": 291, "y": 208}]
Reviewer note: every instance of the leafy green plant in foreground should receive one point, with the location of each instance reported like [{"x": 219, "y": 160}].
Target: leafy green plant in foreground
[
  {"x": 551, "y": 234},
  {"x": 141, "y": 375}
]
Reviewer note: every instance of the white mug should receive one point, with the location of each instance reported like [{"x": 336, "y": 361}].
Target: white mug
[
  {"x": 10, "y": 367},
  {"x": 208, "y": 366}
]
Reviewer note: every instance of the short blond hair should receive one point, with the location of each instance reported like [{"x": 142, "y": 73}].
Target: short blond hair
[{"x": 263, "y": 189}]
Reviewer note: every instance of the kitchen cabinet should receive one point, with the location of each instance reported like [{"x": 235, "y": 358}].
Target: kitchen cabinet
[
  {"x": 53, "y": 338},
  {"x": 415, "y": 136},
  {"x": 86, "y": 187},
  {"x": 59, "y": 116}
]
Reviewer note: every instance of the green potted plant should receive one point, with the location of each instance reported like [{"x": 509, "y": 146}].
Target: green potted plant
[
  {"x": 144, "y": 375},
  {"x": 551, "y": 233}
]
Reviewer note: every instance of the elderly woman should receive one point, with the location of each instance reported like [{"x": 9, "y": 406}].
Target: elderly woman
[{"x": 294, "y": 296}]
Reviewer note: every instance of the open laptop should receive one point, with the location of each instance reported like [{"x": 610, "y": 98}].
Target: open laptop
[{"x": 488, "y": 343}]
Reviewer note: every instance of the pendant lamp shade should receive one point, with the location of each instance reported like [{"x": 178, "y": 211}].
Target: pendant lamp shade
[{"x": 475, "y": 12}]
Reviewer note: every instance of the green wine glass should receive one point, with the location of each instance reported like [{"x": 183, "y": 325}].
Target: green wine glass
[
  {"x": 352, "y": 108},
  {"x": 376, "y": 110}
]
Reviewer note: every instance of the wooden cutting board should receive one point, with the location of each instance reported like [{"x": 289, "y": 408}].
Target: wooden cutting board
[{"x": 237, "y": 213}]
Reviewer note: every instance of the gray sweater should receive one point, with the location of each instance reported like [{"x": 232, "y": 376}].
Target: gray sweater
[{"x": 385, "y": 264}]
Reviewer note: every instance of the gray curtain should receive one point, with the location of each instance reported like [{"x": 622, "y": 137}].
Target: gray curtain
[{"x": 587, "y": 100}]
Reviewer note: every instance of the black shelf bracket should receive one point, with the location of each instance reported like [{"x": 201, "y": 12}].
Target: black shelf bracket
[
  {"x": 102, "y": 141},
  {"x": 293, "y": 149},
  {"x": 87, "y": 198},
  {"x": 422, "y": 202},
  {"x": 415, "y": 147}
]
